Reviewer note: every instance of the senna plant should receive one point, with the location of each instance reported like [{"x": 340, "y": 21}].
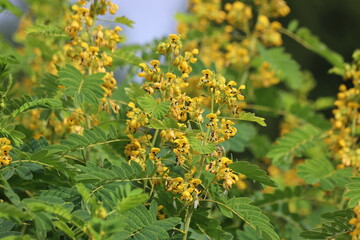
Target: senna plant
[{"x": 183, "y": 154}]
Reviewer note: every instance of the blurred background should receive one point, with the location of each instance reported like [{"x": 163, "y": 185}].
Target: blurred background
[{"x": 335, "y": 22}]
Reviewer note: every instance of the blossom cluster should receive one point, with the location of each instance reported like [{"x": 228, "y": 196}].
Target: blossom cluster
[
  {"x": 5, "y": 148},
  {"x": 235, "y": 33},
  {"x": 343, "y": 140},
  {"x": 355, "y": 234},
  {"x": 87, "y": 48},
  {"x": 172, "y": 88}
]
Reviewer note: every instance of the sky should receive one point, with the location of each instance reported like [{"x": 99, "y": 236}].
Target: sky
[{"x": 153, "y": 18}]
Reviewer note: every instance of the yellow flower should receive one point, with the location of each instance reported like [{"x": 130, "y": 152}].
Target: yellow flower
[
  {"x": 5, "y": 148},
  {"x": 262, "y": 23},
  {"x": 231, "y": 83},
  {"x": 207, "y": 73},
  {"x": 154, "y": 63},
  {"x": 93, "y": 50},
  {"x": 118, "y": 29},
  {"x": 211, "y": 116},
  {"x": 174, "y": 37},
  {"x": 195, "y": 181}
]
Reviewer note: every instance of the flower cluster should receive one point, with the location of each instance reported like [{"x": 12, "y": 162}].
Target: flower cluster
[
  {"x": 48, "y": 54},
  {"x": 186, "y": 188},
  {"x": 73, "y": 122},
  {"x": 135, "y": 150},
  {"x": 355, "y": 234},
  {"x": 5, "y": 148},
  {"x": 220, "y": 133},
  {"x": 268, "y": 32},
  {"x": 138, "y": 118},
  {"x": 235, "y": 32},
  {"x": 171, "y": 89},
  {"x": 90, "y": 45},
  {"x": 265, "y": 77},
  {"x": 221, "y": 170},
  {"x": 223, "y": 92},
  {"x": 180, "y": 143},
  {"x": 207, "y": 11},
  {"x": 273, "y": 8},
  {"x": 237, "y": 54},
  {"x": 44, "y": 128},
  {"x": 238, "y": 15},
  {"x": 161, "y": 169},
  {"x": 42, "y": 58},
  {"x": 343, "y": 140}
]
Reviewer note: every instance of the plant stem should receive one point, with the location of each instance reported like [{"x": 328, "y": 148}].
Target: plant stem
[
  {"x": 244, "y": 77},
  {"x": 188, "y": 215},
  {"x": 296, "y": 38},
  {"x": 88, "y": 126},
  {"x": 154, "y": 138}
]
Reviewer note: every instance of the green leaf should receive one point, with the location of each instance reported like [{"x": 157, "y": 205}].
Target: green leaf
[
  {"x": 315, "y": 45},
  {"x": 252, "y": 215},
  {"x": 25, "y": 103},
  {"x": 23, "y": 237},
  {"x": 36, "y": 30},
  {"x": 48, "y": 86},
  {"x": 259, "y": 146},
  {"x": 308, "y": 115},
  {"x": 122, "y": 57},
  {"x": 62, "y": 226},
  {"x": 124, "y": 20},
  {"x": 91, "y": 173},
  {"x": 245, "y": 132},
  {"x": 253, "y": 172},
  {"x": 132, "y": 201},
  {"x": 210, "y": 227},
  {"x": 7, "y": 5},
  {"x": 312, "y": 170},
  {"x": 284, "y": 65},
  {"x": 9, "y": 192},
  {"x": 24, "y": 173},
  {"x": 139, "y": 224},
  {"x": 11, "y": 59},
  {"x": 338, "y": 179},
  {"x": 10, "y": 212},
  {"x": 80, "y": 87},
  {"x": 354, "y": 192},
  {"x": 14, "y": 136},
  {"x": 185, "y": 18},
  {"x": 134, "y": 91},
  {"x": 293, "y": 144},
  {"x": 41, "y": 225},
  {"x": 293, "y": 25},
  {"x": 80, "y": 139},
  {"x": 324, "y": 103},
  {"x": 196, "y": 145},
  {"x": 321, "y": 170},
  {"x": 336, "y": 226},
  {"x": 280, "y": 196},
  {"x": 247, "y": 234},
  {"x": 131, "y": 198},
  {"x": 5, "y": 226},
  {"x": 247, "y": 116},
  {"x": 149, "y": 104}
]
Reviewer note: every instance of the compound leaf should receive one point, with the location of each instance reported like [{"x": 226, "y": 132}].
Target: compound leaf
[
  {"x": 252, "y": 171},
  {"x": 252, "y": 215},
  {"x": 293, "y": 144},
  {"x": 247, "y": 116}
]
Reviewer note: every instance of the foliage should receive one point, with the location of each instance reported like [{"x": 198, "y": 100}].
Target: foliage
[
  {"x": 223, "y": 137},
  {"x": 293, "y": 144}
]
